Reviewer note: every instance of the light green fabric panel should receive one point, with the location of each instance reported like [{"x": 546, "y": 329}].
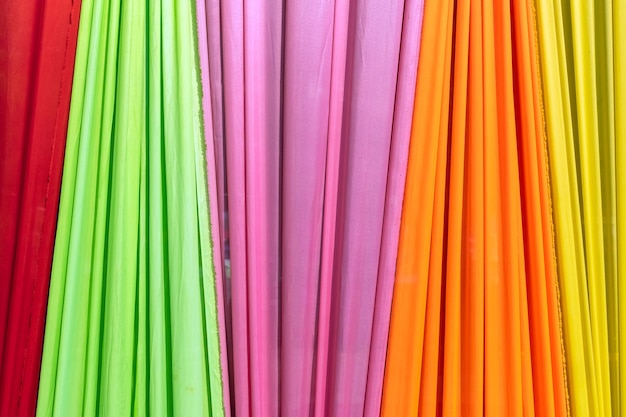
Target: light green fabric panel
[{"x": 131, "y": 326}]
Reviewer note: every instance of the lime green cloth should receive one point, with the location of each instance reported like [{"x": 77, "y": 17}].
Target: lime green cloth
[{"x": 131, "y": 326}]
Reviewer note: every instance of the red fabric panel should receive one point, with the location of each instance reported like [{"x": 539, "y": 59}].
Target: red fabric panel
[{"x": 37, "y": 49}]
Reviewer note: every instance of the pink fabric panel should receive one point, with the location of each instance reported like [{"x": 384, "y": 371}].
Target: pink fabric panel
[
  {"x": 308, "y": 52},
  {"x": 373, "y": 54},
  {"x": 263, "y": 66},
  {"x": 233, "y": 53},
  {"x": 402, "y": 120},
  {"x": 331, "y": 191}
]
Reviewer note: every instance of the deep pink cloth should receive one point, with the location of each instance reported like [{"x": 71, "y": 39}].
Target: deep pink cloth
[{"x": 262, "y": 73}]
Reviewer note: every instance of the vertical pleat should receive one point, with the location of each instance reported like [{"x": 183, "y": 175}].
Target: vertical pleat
[
  {"x": 452, "y": 350},
  {"x": 498, "y": 397},
  {"x": 619, "y": 72},
  {"x": 262, "y": 24},
  {"x": 324, "y": 356},
  {"x": 308, "y": 49},
  {"x": 233, "y": 62},
  {"x": 473, "y": 283}
]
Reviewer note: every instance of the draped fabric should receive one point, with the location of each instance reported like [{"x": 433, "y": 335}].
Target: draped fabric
[
  {"x": 582, "y": 56},
  {"x": 475, "y": 321},
  {"x": 315, "y": 143},
  {"x": 313, "y": 208},
  {"x": 37, "y": 44},
  {"x": 249, "y": 35},
  {"x": 132, "y": 323}
]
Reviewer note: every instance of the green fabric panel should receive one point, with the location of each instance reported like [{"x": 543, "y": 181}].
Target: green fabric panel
[{"x": 132, "y": 320}]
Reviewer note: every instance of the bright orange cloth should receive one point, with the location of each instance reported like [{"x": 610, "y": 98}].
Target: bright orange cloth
[{"x": 475, "y": 320}]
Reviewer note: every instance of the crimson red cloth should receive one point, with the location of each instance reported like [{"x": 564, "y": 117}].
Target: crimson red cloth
[{"x": 37, "y": 50}]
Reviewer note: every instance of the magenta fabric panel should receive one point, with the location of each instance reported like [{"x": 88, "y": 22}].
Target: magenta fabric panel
[
  {"x": 331, "y": 195},
  {"x": 252, "y": 34},
  {"x": 262, "y": 57},
  {"x": 402, "y": 120},
  {"x": 308, "y": 48},
  {"x": 316, "y": 126},
  {"x": 233, "y": 64},
  {"x": 373, "y": 54}
]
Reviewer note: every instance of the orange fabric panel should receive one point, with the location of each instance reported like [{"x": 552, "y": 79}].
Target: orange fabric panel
[{"x": 406, "y": 334}]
